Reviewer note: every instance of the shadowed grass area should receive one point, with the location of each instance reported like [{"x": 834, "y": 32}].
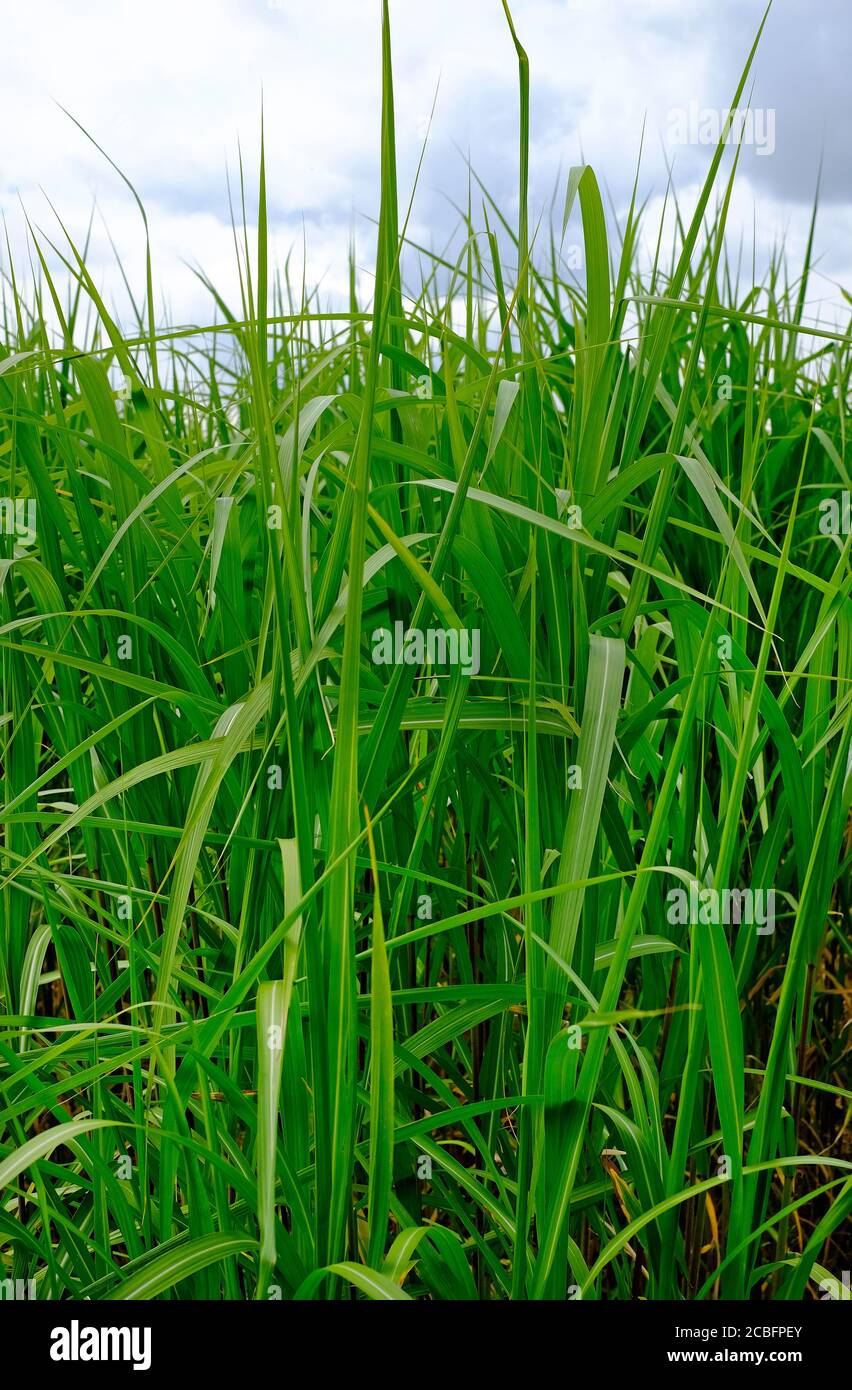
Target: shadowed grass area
[{"x": 426, "y": 773}]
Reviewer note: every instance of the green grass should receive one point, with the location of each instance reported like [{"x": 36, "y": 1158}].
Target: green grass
[{"x": 324, "y": 978}]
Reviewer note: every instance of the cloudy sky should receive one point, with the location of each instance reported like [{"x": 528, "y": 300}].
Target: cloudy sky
[{"x": 172, "y": 88}]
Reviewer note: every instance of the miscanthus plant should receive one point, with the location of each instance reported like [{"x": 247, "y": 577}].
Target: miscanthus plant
[{"x": 426, "y": 772}]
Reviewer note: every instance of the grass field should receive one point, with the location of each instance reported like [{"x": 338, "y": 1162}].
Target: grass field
[{"x": 426, "y": 771}]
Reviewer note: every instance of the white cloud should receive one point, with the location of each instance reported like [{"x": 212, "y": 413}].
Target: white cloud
[{"x": 169, "y": 87}]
